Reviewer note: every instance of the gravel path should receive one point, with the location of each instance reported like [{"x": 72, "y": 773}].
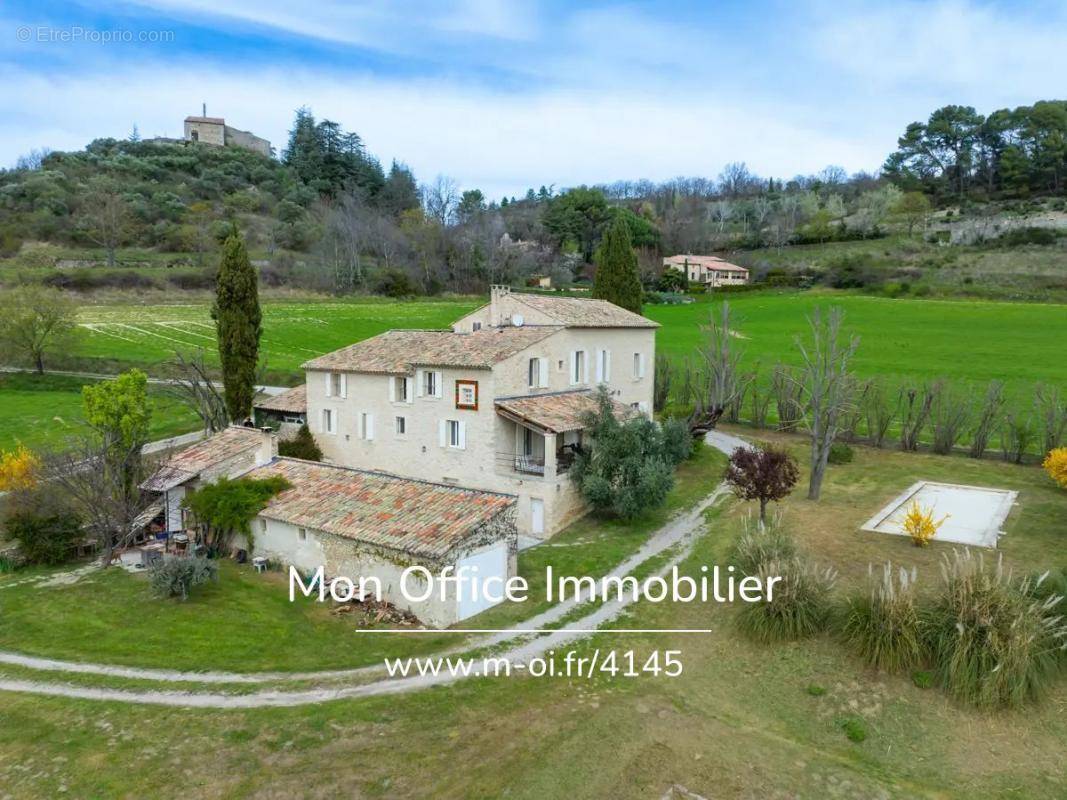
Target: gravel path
[{"x": 677, "y": 536}]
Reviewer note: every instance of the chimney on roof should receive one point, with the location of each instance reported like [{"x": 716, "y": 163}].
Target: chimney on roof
[
  {"x": 203, "y": 109},
  {"x": 268, "y": 447},
  {"x": 497, "y": 317}
]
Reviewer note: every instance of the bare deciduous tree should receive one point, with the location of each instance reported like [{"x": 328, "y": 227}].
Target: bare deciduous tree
[
  {"x": 105, "y": 216},
  {"x": 825, "y": 383},
  {"x": 989, "y": 416},
  {"x": 440, "y": 199},
  {"x": 913, "y": 407},
  {"x": 95, "y": 480},
  {"x": 191, "y": 383},
  {"x": 722, "y": 359}
]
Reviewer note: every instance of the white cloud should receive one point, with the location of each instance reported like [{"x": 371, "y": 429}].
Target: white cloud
[
  {"x": 957, "y": 51},
  {"x": 501, "y": 143}
]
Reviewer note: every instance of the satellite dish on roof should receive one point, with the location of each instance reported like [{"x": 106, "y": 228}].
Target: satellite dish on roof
[{"x": 516, "y": 320}]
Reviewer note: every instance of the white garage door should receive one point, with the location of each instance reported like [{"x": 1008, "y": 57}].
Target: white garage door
[{"x": 492, "y": 561}]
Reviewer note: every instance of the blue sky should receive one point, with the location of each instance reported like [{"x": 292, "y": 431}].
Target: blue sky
[{"x": 504, "y": 95}]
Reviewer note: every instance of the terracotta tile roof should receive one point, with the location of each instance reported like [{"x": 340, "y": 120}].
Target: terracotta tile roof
[
  {"x": 708, "y": 262},
  {"x": 416, "y": 517},
  {"x": 399, "y": 351},
  {"x": 556, "y": 412},
  {"x": 583, "y": 312},
  {"x": 188, "y": 463},
  {"x": 293, "y": 401}
]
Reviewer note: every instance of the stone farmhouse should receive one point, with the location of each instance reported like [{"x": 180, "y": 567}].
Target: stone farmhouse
[
  {"x": 214, "y": 130},
  {"x": 444, "y": 448},
  {"x": 495, "y": 404},
  {"x": 711, "y": 271}
]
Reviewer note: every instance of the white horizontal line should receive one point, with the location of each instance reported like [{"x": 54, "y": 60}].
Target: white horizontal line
[{"x": 534, "y": 630}]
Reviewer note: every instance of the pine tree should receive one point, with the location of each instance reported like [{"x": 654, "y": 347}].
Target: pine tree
[
  {"x": 237, "y": 323},
  {"x": 616, "y": 268}
]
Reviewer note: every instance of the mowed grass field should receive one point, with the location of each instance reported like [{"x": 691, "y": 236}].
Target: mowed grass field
[{"x": 899, "y": 338}]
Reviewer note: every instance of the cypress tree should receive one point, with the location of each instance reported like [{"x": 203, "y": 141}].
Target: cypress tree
[
  {"x": 616, "y": 268},
  {"x": 237, "y": 323}
]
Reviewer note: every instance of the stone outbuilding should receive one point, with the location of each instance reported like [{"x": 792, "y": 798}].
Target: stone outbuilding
[{"x": 358, "y": 523}]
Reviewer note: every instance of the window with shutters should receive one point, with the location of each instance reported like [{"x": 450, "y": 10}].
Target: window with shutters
[
  {"x": 400, "y": 425},
  {"x": 431, "y": 379},
  {"x": 400, "y": 389},
  {"x": 533, "y": 373},
  {"x": 329, "y": 421},
  {"x": 336, "y": 388},
  {"x": 578, "y": 367},
  {"x": 366, "y": 426},
  {"x": 455, "y": 437}
]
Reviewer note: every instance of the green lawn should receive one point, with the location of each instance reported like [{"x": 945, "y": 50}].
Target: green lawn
[
  {"x": 39, "y": 410},
  {"x": 964, "y": 340},
  {"x": 738, "y": 723}
]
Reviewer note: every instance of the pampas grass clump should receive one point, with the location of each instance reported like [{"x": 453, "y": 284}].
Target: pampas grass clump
[
  {"x": 993, "y": 641},
  {"x": 884, "y": 626},
  {"x": 800, "y": 602}
]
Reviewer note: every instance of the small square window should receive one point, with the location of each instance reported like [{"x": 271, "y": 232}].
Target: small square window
[
  {"x": 302, "y": 534},
  {"x": 401, "y": 424},
  {"x": 476, "y": 326},
  {"x": 467, "y": 394}
]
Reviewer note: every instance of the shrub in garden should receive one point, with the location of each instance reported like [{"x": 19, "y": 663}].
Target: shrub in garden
[
  {"x": 1055, "y": 464},
  {"x": 991, "y": 642},
  {"x": 840, "y": 453},
  {"x": 798, "y": 607},
  {"x": 884, "y": 625},
  {"x": 988, "y": 418},
  {"x": 175, "y": 577},
  {"x": 760, "y": 543},
  {"x": 1016, "y": 435},
  {"x": 43, "y": 538},
  {"x": 766, "y": 473},
  {"x": 302, "y": 445},
  {"x": 920, "y": 525}
]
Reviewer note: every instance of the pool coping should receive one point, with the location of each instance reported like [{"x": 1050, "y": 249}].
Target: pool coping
[{"x": 991, "y": 533}]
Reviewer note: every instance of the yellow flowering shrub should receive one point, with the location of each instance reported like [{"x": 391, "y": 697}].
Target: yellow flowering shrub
[
  {"x": 920, "y": 525},
  {"x": 18, "y": 469},
  {"x": 1055, "y": 465}
]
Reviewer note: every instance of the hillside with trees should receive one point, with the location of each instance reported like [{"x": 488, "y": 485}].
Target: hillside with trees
[{"x": 328, "y": 217}]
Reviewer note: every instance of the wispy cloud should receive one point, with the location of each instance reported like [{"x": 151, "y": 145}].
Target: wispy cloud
[{"x": 505, "y": 94}]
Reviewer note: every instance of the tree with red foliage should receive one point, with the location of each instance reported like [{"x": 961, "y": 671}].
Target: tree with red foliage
[{"x": 764, "y": 474}]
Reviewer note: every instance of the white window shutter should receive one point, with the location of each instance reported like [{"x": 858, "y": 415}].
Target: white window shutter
[
  {"x": 408, "y": 393},
  {"x": 370, "y": 426},
  {"x": 600, "y": 366},
  {"x": 585, "y": 367},
  {"x": 420, "y": 381},
  {"x": 437, "y": 384},
  {"x": 462, "y": 435},
  {"x": 392, "y": 389},
  {"x": 344, "y": 384},
  {"x": 442, "y": 427},
  {"x": 607, "y": 366},
  {"x": 329, "y": 384},
  {"x": 574, "y": 368},
  {"x": 542, "y": 372}
]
